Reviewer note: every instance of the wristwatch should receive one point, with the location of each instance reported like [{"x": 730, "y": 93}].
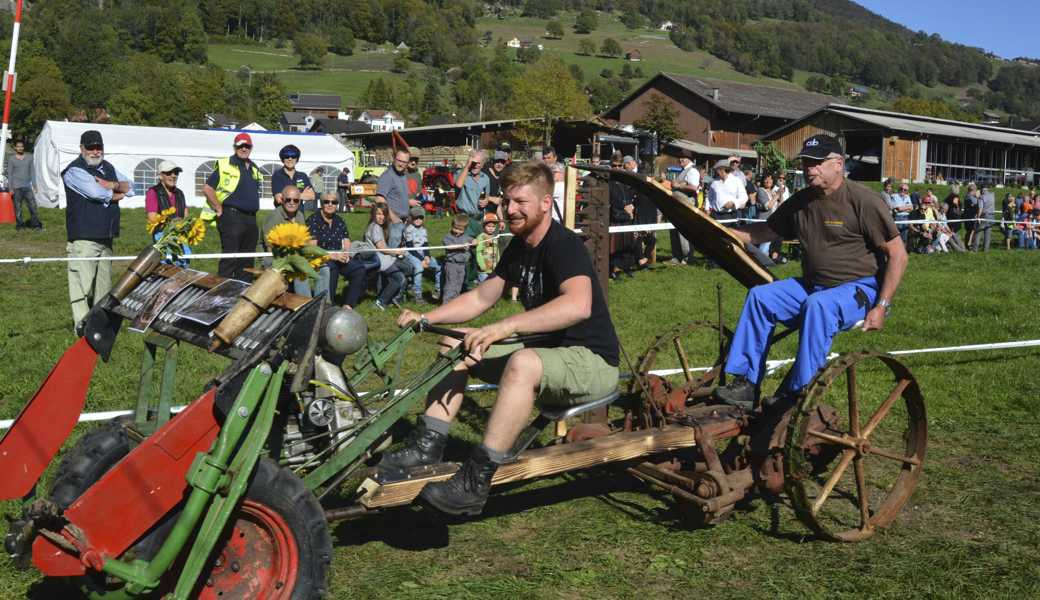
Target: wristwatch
[{"x": 886, "y": 304}]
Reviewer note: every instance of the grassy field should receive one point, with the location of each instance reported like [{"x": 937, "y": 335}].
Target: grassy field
[
  {"x": 347, "y": 76},
  {"x": 657, "y": 51},
  {"x": 969, "y": 531}
]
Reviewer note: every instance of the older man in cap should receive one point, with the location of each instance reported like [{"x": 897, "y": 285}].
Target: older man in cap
[
  {"x": 853, "y": 261},
  {"x": 233, "y": 194},
  {"x": 685, "y": 187},
  {"x": 93, "y": 189}
]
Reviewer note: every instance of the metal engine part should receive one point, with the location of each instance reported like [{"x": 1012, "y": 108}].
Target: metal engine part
[{"x": 344, "y": 331}]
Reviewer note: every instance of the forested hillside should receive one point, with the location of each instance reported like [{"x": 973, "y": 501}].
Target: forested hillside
[{"x": 152, "y": 61}]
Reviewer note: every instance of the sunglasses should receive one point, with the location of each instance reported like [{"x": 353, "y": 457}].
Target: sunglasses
[
  {"x": 329, "y": 202},
  {"x": 291, "y": 200},
  {"x": 171, "y": 173},
  {"x": 246, "y": 146},
  {"x": 95, "y": 147}
]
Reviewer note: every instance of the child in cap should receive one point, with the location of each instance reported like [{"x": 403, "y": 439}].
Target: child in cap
[
  {"x": 487, "y": 248},
  {"x": 455, "y": 259},
  {"x": 416, "y": 236}
]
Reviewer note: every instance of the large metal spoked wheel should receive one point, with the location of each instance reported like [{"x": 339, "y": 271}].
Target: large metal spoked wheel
[
  {"x": 681, "y": 353},
  {"x": 849, "y": 473},
  {"x": 277, "y": 545}
]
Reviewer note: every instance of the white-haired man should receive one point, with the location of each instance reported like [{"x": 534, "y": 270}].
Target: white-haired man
[
  {"x": 93, "y": 189},
  {"x": 853, "y": 261}
]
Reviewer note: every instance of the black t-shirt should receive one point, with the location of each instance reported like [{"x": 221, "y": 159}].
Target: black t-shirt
[{"x": 539, "y": 271}]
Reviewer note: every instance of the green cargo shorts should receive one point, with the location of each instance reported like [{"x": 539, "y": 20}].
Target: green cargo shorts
[{"x": 570, "y": 376}]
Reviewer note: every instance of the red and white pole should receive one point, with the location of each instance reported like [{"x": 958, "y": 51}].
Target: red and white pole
[{"x": 8, "y": 84}]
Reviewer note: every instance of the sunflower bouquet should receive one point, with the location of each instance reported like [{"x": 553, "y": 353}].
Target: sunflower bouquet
[
  {"x": 175, "y": 233},
  {"x": 295, "y": 254}
]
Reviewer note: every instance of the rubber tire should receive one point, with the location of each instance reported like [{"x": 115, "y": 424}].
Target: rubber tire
[
  {"x": 92, "y": 456},
  {"x": 285, "y": 494},
  {"x": 81, "y": 467}
]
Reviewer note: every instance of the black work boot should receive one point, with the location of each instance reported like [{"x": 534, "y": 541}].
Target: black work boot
[
  {"x": 467, "y": 490},
  {"x": 738, "y": 392},
  {"x": 426, "y": 448}
]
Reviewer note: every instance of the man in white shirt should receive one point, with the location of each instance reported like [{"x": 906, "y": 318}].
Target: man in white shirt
[
  {"x": 685, "y": 187},
  {"x": 727, "y": 194}
]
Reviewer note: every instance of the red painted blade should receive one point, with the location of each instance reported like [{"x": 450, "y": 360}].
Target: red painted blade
[{"x": 45, "y": 422}]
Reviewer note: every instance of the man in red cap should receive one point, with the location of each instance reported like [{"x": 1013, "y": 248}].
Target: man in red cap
[{"x": 233, "y": 193}]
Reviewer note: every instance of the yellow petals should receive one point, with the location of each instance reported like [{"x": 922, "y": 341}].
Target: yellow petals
[{"x": 288, "y": 236}]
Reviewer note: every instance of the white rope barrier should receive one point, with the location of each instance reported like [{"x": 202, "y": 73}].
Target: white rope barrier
[
  {"x": 771, "y": 366},
  {"x": 28, "y": 260}
]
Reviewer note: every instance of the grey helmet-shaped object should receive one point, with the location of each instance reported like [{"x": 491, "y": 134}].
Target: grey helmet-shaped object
[{"x": 345, "y": 331}]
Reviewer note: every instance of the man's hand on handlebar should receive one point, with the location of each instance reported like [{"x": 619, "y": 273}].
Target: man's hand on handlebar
[
  {"x": 407, "y": 318},
  {"x": 479, "y": 340}
]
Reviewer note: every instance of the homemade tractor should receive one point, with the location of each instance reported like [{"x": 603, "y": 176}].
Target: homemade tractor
[{"x": 232, "y": 497}]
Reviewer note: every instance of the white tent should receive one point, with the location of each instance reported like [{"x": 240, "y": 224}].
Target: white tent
[{"x": 137, "y": 152}]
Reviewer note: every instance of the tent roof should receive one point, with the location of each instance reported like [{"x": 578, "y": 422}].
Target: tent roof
[{"x": 195, "y": 143}]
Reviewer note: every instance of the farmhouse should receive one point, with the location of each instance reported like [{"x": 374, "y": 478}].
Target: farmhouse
[
  {"x": 316, "y": 105},
  {"x": 719, "y": 113}
]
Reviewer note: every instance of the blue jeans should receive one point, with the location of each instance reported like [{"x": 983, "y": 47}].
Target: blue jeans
[
  {"x": 818, "y": 312},
  {"x": 180, "y": 262},
  {"x": 417, "y": 279}
]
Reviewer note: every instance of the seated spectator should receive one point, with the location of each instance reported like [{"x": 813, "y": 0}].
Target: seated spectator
[
  {"x": 1033, "y": 230},
  {"x": 946, "y": 239},
  {"x": 924, "y": 234},
  {"x": 331, "y": 234},
  {"x": 391, "y": 270},
  {"x": 286, "y": 212}
]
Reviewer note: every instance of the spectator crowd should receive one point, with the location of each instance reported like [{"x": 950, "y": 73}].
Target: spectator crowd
[{"x": 394, "y": 253}]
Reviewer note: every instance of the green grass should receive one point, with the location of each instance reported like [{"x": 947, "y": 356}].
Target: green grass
[
  {"x": 657, "y": 51},
  {"x": 969, "y": 531},
  {"x": 347, "y": 76}
]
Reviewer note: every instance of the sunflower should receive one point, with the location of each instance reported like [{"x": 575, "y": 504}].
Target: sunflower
[
  {"x": 288, "y": 236},
  {"x": 160, "y": 220},
  {"x": 318, "y": 261},
  {"x": 197, "y": 232}
]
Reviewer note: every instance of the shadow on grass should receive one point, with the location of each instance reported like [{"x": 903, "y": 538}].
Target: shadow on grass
[
  {"x": 419, "y": 528},
  {"x": 50, "y": 588}
]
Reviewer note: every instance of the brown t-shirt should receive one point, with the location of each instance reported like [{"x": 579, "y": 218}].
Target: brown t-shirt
[{"x": 842, "y": 235}]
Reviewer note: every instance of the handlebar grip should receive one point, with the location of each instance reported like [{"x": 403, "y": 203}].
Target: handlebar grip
[{"x": 529, "y": 338}]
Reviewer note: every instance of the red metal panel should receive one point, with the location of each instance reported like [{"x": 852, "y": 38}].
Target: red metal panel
[
  {"x": 117, "y": 510},
  {"x": 46, "y": 421},
  {"x": 53, "y": 561}
]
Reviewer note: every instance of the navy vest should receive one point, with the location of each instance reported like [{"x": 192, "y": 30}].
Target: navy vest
[
  {"x": 87, "y": 219},
  {"x": 164, "y": 199}
]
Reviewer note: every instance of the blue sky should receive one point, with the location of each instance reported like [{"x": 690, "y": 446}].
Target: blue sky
[{"x": 1006, "y": 28}]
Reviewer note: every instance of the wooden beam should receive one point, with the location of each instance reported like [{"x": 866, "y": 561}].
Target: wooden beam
[
  {"x": 570, "y": 189},
  {"x": 542, "y": 462}
]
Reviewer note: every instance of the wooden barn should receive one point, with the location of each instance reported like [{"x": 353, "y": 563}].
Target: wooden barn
[
  {"x": 719, "y": 113},
  {"x": 883, "y": 145}
]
